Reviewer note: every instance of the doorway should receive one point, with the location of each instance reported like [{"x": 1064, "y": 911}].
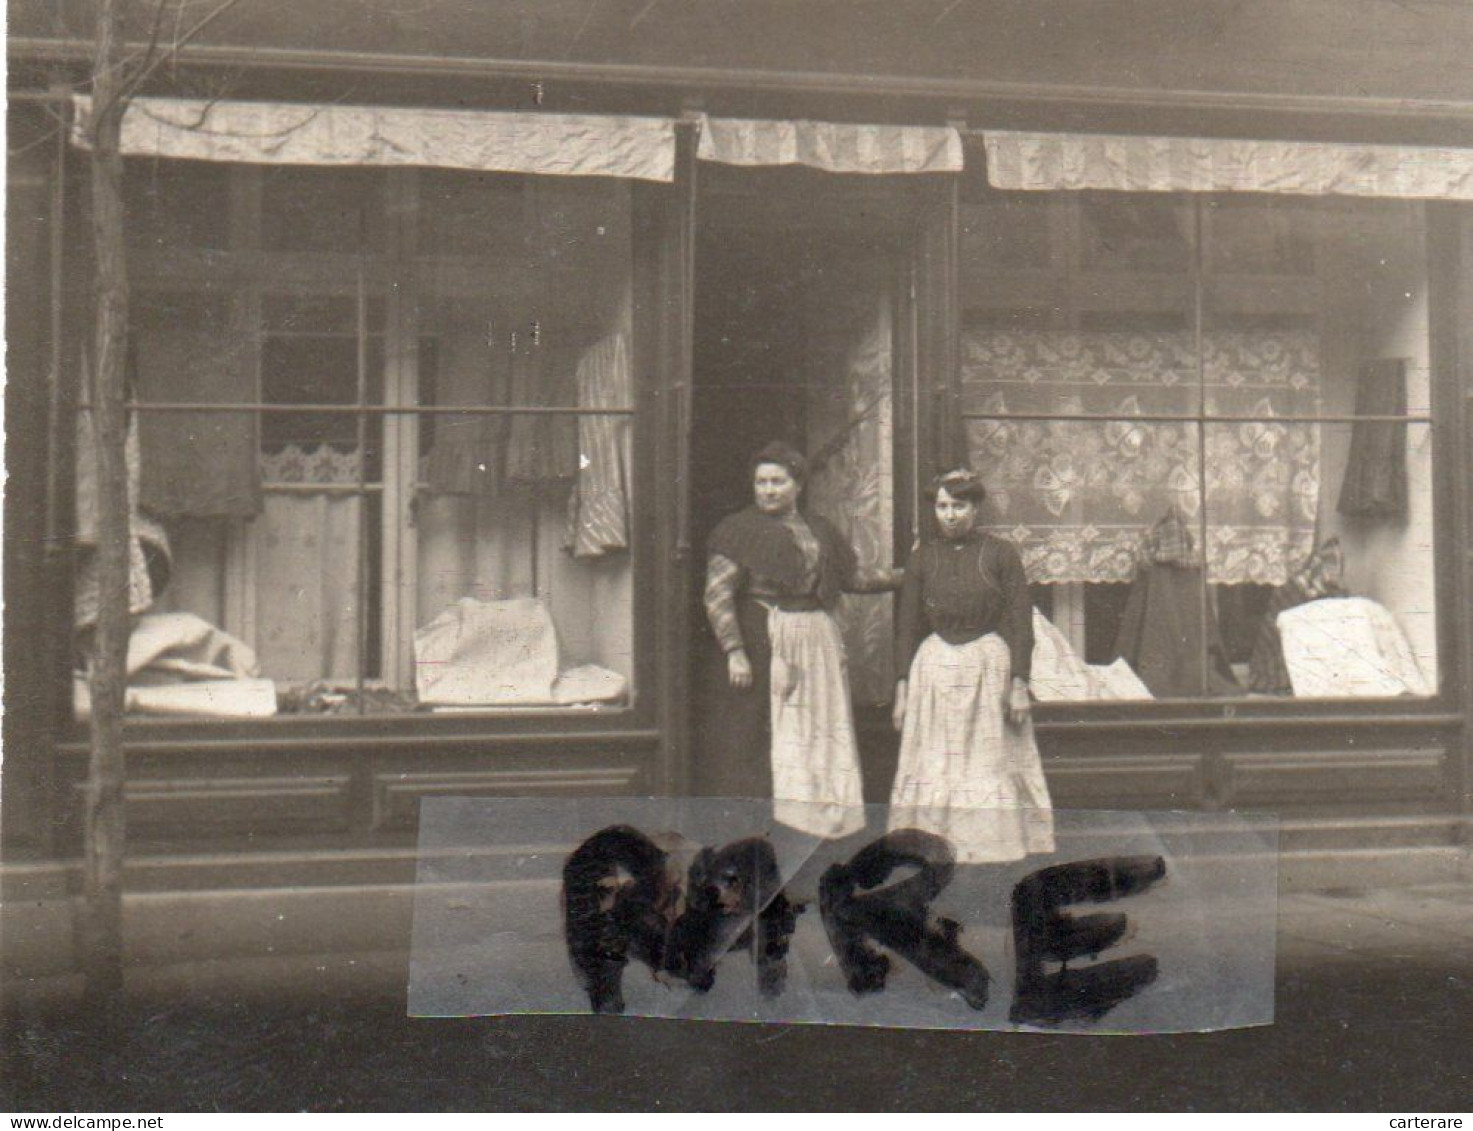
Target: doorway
[{"x": 798, "y": 295}]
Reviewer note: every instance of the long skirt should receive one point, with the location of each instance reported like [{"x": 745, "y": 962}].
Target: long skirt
[{"x": 966, "y": 774}]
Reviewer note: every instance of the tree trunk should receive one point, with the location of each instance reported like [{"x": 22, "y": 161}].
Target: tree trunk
[{"x": 104, "y": 827}]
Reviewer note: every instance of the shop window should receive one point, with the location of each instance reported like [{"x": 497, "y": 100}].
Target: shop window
[
  {"x": 416, "y": 492},
  {"x": 1166, "y": 412}
]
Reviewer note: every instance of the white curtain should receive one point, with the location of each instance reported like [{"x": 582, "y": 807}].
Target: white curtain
[{"x": 1049, "y": 162}]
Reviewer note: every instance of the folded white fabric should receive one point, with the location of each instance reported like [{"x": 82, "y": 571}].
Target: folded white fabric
[
  {"x": 487, "y": 652},
  {"x": 1348, "y": 646},
  {"x": 1060, "y": 675},
  {"x": 180, "y": 664}
]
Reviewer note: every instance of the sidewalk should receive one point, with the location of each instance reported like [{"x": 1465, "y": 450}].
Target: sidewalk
[
  {"x": 1374, "y": 1011},
  {"x": 1427, "y": 924}
]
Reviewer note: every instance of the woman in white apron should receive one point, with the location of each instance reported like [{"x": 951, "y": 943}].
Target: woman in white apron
[
  {"x": 969, "y": 767},
  {"x": 777, "y": 716}
]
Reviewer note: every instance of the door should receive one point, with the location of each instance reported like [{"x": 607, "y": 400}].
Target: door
[{"x": 819, "y": 316}]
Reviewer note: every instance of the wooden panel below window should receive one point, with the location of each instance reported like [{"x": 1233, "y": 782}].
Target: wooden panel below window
[
  {"x": 1129, "y": 781},
  {"x": 1339, "y": 777},
  {"x": 315, "y": 803},
  {"x": 396, "y": 796}
]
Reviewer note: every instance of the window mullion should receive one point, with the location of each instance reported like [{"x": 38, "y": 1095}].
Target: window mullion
[
  {"x": 242, "y": 584},
  {"x": 400, "y": 438}
]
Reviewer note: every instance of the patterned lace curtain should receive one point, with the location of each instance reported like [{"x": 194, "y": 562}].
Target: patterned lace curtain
[
  {"x": 1079, "y": 496},
  {"x": 850, "y": 432}
]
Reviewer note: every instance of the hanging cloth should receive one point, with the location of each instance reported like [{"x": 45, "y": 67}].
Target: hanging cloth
[
  {"x": 468, "y": 453},
  {"x": 543, "y": 450},
  {"x": 149, "y": 560},
  {"x": 194, "y": 464},
  {"x": 1375, "y": 483},
  {"x": 1169, "y": 638},
  {"x": 599, "y": 507}
]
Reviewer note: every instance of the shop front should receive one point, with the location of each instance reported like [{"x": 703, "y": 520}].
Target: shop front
[{"x": 435, "y": 407}]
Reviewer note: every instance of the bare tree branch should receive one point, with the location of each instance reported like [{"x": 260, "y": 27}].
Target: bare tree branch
[
  {"x": 178, "y": 44},
  {"x": 144, "y": 57}
]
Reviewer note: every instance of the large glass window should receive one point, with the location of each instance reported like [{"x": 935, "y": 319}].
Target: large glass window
[
  {"x": 1204, "y": 421},
  {"x": 383, "y": 455}
]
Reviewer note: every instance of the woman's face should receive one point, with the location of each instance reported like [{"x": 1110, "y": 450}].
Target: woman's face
[
  {"x": 955, "y": 516},
  {"x": 775, "y": 488}
]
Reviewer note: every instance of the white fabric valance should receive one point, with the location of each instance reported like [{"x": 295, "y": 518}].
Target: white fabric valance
[
  {"x": 1180, "y": 164},
  {"x": 281, "y": 133},
  {"x": 835, "y": 147}
]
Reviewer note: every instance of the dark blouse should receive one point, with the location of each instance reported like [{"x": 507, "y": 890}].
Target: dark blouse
[
  {"x": 766, "y": 555},
  {"x": 961, "y": 591}
]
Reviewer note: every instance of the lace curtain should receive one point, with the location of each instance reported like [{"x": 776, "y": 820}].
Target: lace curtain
[
  {"x": 1077, "y": 497},
  {"x": 850, "y": 420}
]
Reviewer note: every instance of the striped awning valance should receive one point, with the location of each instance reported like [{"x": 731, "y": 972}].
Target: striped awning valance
[
  {"x": 835, "y": 147},
  {"x": 281, "y": 133},
  {"x": 1049, "y": 162}
]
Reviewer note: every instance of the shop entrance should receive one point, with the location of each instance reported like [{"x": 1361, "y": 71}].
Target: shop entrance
[{"x": 800, "y": 301}]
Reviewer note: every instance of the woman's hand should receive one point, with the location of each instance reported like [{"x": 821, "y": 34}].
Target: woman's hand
[
  {"x": 1019, "y": 704},
  {"x": 897, "y": 713},
  {"x": 739, "y": 669}
]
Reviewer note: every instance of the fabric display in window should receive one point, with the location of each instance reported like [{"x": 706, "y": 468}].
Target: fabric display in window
[
  {"x": 1060, "y": 675},
  {"x": 1319, "y": 577},
  {"x": 179, "y": 664},
  {"x": 502, "y": 653},
  {"x": 542, "y": 450},
  {"x": 1348, "y": 646},
  {"x": 468, "y": 454},
  {"x": 195, "y": 464},
  {"x": 1375, "y": 483},
  {"x": 1076, "y": 496},
  {"x": 1169, "y": 638},
  {"x": 598, "y": 509},
  {"x": 149, "y": 561}
]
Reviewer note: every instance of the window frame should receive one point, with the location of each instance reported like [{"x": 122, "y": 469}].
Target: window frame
[
  {"x": 1187, "y": 715},
  {"x": 243, "y": 272}
]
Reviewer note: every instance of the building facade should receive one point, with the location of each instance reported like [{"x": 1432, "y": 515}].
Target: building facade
[{"x": 453, "y": 330}]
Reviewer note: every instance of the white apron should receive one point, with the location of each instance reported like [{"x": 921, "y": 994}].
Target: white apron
[
  {"x": 815, "y": 759},
  {"x": 964, "y": 773}
]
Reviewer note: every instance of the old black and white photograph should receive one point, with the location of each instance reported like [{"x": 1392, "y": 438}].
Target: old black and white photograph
[{"x": 738, "y": 555}]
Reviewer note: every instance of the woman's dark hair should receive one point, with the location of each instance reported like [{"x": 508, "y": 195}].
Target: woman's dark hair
[
  {"x": 784, "y": 455},
  {"x": 959, "y": 483}
]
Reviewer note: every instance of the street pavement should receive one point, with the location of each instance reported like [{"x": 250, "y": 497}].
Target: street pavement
[{"x": 1374, "y": 1011}]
